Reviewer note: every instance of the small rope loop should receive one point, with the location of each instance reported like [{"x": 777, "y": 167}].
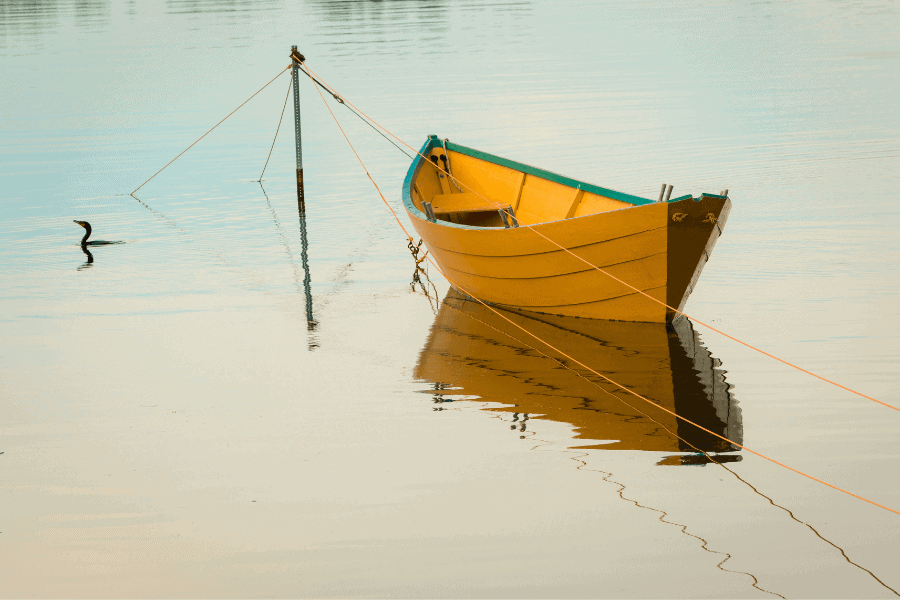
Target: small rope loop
[{"x": 414, "y": 249}]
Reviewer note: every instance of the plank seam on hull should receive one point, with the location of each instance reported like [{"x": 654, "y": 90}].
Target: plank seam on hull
[
  {"x": 547, "y": 323},
  {"x": 529, "y": 306},
  {"x": 625, "y": 262},
  {"x": 554, "y": 250},
  {"x": 421, "y": 215}
]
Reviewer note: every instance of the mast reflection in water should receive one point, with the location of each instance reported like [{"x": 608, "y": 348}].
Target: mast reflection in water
[{"x": 468, "y": 353}]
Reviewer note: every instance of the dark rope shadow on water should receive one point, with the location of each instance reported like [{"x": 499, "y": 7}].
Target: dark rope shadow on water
[
  {"x": 712, "y": 459},
  {"x": 811, "y": 528},
  {"x": 306, "y": 287},
  {"x": 311, "y": 323},
  {"x": 169, "y": 221},
  {"x": 718, "y": 461},
  {"x": 545, "y": 446},
  {"x": 704, "y": 544}
]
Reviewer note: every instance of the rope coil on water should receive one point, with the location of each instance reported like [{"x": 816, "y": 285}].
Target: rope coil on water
[
  {"x": 576, "y": 361},
  {"x": 347, "y": 103}
]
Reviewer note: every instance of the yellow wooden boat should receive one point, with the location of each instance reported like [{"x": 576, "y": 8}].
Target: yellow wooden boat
[
  {"x": 659, "y": 247},
  {"x": 469, "y": 354}
]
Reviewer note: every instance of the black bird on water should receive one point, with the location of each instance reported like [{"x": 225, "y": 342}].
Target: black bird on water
[{"x": 87, "y": 234}]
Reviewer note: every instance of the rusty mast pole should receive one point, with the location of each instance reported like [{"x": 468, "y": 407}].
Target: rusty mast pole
[{"x": 296, "y": 60}]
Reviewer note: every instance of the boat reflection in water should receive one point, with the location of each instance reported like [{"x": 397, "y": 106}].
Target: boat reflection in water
[{"x": 468, "y": 353}]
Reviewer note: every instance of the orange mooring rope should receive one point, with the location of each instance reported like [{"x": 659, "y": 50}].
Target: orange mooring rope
[
  {"x": 563, "y": 364},
  {"x": 383, "y": 199},
  {"x": 633, "y": 393},
  {"x": 626, "y": 284}
]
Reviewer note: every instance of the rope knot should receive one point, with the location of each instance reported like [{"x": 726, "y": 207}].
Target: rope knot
[{"x": 414, "y": 249}]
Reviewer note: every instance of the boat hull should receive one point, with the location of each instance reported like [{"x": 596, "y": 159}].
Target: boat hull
[{"x": 576, "y": 266}]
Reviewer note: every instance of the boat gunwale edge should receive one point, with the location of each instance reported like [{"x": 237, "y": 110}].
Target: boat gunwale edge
[{"x": 432, "y": 141}]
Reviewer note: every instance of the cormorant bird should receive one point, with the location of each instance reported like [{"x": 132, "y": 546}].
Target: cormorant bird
[{"x": 87, "y": 234}]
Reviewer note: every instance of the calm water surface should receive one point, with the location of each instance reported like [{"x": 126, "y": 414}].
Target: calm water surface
[{"x": 175, "y": 424}]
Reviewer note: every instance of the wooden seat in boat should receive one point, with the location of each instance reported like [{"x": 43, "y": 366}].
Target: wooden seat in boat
[{"x": 444, "y": 204}]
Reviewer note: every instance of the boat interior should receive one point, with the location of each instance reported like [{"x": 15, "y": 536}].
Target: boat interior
[{"x": 467, "y": 187}]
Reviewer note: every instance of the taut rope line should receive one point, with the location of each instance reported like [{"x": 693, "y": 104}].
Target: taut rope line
[
  {"x": 283, "y": 108},
  {"x": 213, "y": 127},
  {"x": 383, "y": 199},
  {"x": 633, "y": 393},
  {"x": 579, "y": 458},
  {"x": 707, "y": 454},
  {"x": 581, "y": 364},
  {"x": 343, "y": 100}
]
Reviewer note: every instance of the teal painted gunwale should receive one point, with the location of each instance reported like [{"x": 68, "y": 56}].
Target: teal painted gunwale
[
  {"x": 548, "y": 175},
  {"x": 433, "y": 142}
]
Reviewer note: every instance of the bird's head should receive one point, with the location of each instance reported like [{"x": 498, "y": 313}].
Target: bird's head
[{"x": 84, "y": 224}]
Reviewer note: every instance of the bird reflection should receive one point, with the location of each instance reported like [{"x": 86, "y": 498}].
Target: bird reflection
[
  {"x": 90, "y": 258},
  {"x": 469, "y": 347},
  {"x": 85, "y": 243}
]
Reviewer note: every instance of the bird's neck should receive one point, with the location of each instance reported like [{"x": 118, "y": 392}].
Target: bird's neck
[{"x": 87, "y": 234}]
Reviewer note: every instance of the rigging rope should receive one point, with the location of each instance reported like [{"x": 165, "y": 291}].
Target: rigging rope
[
  {"x": 576, "y": 361},
  {"x": 311, "y": 74},
  {"x": 663, "y": 426},
  {"x": 699, "y": 450},
  {"x": 213, "y": 127},
  {"x": 283, "y": 108},
  {"x": 383, "y": 199},
  {"x": 351, "y": 109}
]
